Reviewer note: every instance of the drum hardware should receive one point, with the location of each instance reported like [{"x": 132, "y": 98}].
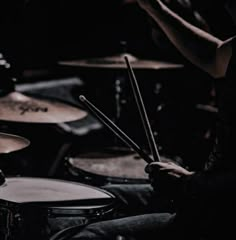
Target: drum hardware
[
  {"x": 118, "y": 99},
  {"x": 33, "y": 208},
  {"x": 69, "y": 203}
]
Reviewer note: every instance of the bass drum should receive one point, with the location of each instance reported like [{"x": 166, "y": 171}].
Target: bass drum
[
  {"x": 107, "y": 165},
  {"x": 38, "y": 208}
]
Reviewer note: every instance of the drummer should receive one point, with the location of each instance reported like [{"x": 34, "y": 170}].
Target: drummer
[
  {"x": 127, "y": 192},
  {"x": 205, "y": 200}
]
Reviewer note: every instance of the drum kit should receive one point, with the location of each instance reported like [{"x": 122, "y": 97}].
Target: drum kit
[
  {"x": 47, "y": 199},
  {"x": 18, "y": 107}
]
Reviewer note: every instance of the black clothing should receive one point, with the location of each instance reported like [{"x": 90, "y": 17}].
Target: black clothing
[
  {"x": 204, "y": 201},
  {"x": 208, "y": 197}
]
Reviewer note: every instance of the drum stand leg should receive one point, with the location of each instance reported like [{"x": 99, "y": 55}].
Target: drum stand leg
[
  {"x": 119, "y": 99},
  {"x": 59, "y": 160},
  {"x": 118, "y": 90},
  {"x": 67, "y": 233}
]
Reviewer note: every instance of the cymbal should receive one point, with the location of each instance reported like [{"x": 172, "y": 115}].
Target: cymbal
[
  {"x": 10, "y": 143},
  {"x": 207, "y": 108},
  {"x": 17, "y": 107},
  {"x": 118, "y": 62}
]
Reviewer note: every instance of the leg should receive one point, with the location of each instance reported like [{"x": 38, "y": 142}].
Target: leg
[
  {"x": 149, "y": 226},
  {"x": 138, "y": 199}
]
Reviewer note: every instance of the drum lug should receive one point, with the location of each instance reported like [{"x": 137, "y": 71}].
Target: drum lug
[
  {"x": 18, "y": 221},
  {"x": 18, "y": 218}
]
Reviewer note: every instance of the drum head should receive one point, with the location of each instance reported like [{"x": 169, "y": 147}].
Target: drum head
[
  {"x": 111, "y": 163},
  {"x": 30, "y": 190}
]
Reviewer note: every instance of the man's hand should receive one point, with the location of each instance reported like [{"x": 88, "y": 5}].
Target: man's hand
[
  {"x": 165, "y": 177},
  {"x": 168, "y": 167}
]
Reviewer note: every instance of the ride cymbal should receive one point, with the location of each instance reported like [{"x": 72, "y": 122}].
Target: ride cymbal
[
  {"x": 17, "y": 107},
  {"x": 10, "y": 143},
  {"x": 118, "y": 62}
]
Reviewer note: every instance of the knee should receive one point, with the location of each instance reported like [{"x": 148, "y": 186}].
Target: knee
[{"x": 92, "y": 231}]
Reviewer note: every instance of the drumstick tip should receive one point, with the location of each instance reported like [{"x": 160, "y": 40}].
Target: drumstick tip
[
  {"x": 82, "y": 98},
  {"x": 126, "y": 57}
]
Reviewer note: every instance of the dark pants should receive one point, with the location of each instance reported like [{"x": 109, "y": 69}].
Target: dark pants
[
  {"x": 139, "y": 216},
  {"x": 148, "y": 226},
  {"x": 137, "y": 199}
]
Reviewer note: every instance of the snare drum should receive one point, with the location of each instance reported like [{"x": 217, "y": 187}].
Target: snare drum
[
  {"x": 36, "y": 208},
  {"x": 108, "y": 165}
]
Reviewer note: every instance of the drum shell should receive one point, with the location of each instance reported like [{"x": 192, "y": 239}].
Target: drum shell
[
  {"x": 21, "y": 221},
  {"x": 37, "y": 223}
]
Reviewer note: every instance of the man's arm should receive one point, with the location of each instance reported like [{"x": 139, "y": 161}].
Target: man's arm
[{"x": 201, "y": 48}]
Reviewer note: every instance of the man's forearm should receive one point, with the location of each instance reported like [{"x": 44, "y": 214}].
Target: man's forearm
[{"x": 198, "y": 46}]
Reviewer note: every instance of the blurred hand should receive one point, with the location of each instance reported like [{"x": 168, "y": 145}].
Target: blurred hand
[
  {"x": 165, "y": 177},
  {"x": 168, "y": 167}
]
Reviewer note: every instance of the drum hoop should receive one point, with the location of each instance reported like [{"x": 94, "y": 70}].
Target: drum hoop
[{"x": 81, "y": 212}]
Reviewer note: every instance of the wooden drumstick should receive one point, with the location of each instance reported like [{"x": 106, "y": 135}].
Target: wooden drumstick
[
  {"x": 115, "y": 129},
  {"x": 142, "y": 112}
]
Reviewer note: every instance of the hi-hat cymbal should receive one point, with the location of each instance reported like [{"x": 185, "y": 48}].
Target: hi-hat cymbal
[
  {"x": 118, "y": 62},
  {"x": 21, "y": 108},
  {"x": 10, "y": 143}
]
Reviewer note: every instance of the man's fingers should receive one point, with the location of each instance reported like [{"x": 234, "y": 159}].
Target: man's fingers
[
  {"x": 152, "y": 167},
  {"x": 156, "y": 166}
]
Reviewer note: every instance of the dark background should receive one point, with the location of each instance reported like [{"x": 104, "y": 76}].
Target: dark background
[{"x": 36, "y": 34}]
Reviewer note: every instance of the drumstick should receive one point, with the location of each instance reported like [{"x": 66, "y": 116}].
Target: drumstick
[
  {"x": 115, "y": 129},
  {"x": 142, "y": 112}
]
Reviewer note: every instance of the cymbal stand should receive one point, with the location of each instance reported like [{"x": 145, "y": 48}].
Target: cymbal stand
[
  {"x": 119, "y": 80},
  {"x": 7, "y": 81}
]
